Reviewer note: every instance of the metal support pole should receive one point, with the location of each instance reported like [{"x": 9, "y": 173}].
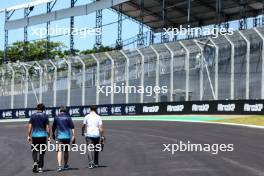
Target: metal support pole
[
  {"x": 83, "y": 80},
  {"x": 141, "y": 25},
  {"x": 157, "y": 72},
  {"x": 243, "y": 14},
  {"x": 2, "y": 82},
  {"x": 256, "y": 21},
  {"x": 12, "y": 85},
  {"x": 171, "y": 71},
  {"x": 6, "y": 38},
  {"x": 112, "y": 75},
  {"x": 48, "y": 33},
  {"x": 99, "y": 24},
  {"x": 151, "y": 37},
  {"x": 119, "y": 42},
  {"x": 262, "y": 13},
  {"x": 201, "y": 71},
  {"x": 127, "y": 74},
  {"x": 40, "y": 81},
  {"x": 71, "y": 29},
  {"x": 216, "y": 66},
  {"x": 203, "y": 64},
  {"x": 50, "y": 6},
  {"x": 247, "y": 63},
  {"x": 68, "y": 62},
  {"x": 262, "y": 64},
  {"x": 26, "y": 13},
  {"x": 232, "y": 67},
  {"x": 26, "y": 85},
  {"x": 189, "y": 15},
  {"x": 187, "y": 69},
  {"x": 164, "y": 37},
  {"x": 97, "y": 78},
  {"x": 54, "y": 83},
  {"x": 219, "y": 5},
  {"x": 143, "y": 74}
]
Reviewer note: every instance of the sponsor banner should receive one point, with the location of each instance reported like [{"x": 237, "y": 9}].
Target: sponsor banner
[
  {"x": 226, "y": 107},
  {"x": 85, "y": 110},
  {"x": 104, "y": 110},
  {"x": 23, "y": 113},
  {"x": 131, "y": 109},
  {"x": 175, "y": 108},
  {"x": 151, "y": 109},
  {"x": 256, "y": 107},
  {"x": 253, "y": 107},
  {"x": 117, "y": 110},
  {"x": 75, "y": 111},
  {"x": 8, "y": 114}
]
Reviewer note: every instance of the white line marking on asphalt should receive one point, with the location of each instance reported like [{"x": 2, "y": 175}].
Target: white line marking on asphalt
[
  {"x": 245, "y": 167},
  {"x": 165, "y": 120}
]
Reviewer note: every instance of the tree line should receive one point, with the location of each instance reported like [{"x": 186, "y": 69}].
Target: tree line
[{"x": 36, "y": 51}]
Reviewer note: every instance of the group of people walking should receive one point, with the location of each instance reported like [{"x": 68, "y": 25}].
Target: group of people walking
[{"x": 63, "y": 132}]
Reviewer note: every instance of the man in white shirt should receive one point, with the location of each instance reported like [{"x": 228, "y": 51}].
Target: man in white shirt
[{"x": 93, "y": 125}]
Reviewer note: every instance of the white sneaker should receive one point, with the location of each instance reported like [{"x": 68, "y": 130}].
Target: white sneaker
[
  {"x": 91, "y": 166},
  {"x": 40, "y": 170},
  {"x": 35, "y": 167}
]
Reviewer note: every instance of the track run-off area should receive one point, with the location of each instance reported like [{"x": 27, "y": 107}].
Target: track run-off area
[{"x": 135, "y": 147}]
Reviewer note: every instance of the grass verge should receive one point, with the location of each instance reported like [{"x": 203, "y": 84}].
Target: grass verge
[{"x": 245, "y": 120}]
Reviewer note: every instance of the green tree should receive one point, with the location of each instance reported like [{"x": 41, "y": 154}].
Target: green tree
[
  {"x": 34, "y": 51},
  {"x": 94, "y": 50}
]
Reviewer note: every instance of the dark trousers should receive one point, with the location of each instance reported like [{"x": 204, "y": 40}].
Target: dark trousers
[
  {"x": 37, "y": 155},
  {"x": 93, "y": 156}
]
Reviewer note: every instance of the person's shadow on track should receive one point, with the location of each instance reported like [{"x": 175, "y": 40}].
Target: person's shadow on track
[{"x": 101, "y": 166}]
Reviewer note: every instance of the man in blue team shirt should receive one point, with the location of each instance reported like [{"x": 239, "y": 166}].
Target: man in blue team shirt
[
  {"x": 38, "y": 134},
  {"x": 63, "y": 132}
]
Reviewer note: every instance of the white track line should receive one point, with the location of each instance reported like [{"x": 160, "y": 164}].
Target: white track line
[{"x": 187, "y": 121}]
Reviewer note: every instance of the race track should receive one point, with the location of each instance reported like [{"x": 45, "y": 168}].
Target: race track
[{"x": 134, "y": 148}]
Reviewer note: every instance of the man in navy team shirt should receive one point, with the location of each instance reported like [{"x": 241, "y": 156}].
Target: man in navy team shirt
[
  {"x": 38, "y": 134},
  {"x": 63, "y": 132}
]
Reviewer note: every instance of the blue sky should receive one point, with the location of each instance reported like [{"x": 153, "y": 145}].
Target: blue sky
[{"x": 130, "y": 28}]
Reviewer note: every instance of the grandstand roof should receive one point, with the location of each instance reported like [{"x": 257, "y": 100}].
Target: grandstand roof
[{"x": 203, "y": 12}]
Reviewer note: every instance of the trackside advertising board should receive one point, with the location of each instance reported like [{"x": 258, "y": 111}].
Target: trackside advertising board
[{"x": 254, "y": 107}]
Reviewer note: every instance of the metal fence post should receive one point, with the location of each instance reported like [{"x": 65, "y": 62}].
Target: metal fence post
[
  {"x": 127, "y": 73},
  {"x": 40, "y": 81},
  {"x": 201, "y": 71},
  {"x": 232, "y": 67},
  {"x": 69, "y": 81},
  {"x": 262, "y": 65},
  {"x": 143, "y": 74},
  {"x": 54, "y": 83},
  {"x": 26, "y": 85},
  {"x": 247, "y": 63},
  {"x": 2, "y": 80},
  {"x": 216, "y": 66},
  {"x": 83, "y": 80},
  {"x": 97, "y": 78},
  {"x": 187, "y": 68},
  {"x": 112, "y": 75},
  {"x": 171, "y": 70},
  {"x": 157, "y": 71},
  {"x": 12, "y": 85}
]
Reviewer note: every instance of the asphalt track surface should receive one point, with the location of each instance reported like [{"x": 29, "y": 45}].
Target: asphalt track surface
[{"x": 134, "y": 148}]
